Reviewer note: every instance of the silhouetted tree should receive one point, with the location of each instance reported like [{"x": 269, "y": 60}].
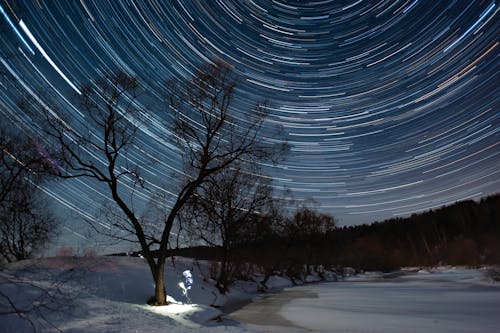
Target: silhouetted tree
[
  {"x": 210, "y": 138},
  {"x": 226, "y": 211},
  {"x": 308, "y": 227},
  {"x": 26, "y": 222},
  {"x": 309, "y": 222}
]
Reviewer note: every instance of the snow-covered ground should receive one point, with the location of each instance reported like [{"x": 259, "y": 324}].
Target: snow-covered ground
[
  {"x": 108, "y": 294},
  {"x": 442, "y": 300}
]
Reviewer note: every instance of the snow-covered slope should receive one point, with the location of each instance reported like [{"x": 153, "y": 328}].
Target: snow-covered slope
[{"x": 104, "y": 294}]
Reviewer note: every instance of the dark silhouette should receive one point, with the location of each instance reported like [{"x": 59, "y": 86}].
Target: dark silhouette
[
  {"x": 26, "y": 221},
  {"x": 225, "y": 212},
  {"x": 203, "y": 128},
  {"x": 465, "y": 233}
]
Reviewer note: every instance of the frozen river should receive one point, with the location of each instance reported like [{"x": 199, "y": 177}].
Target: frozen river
[{"x": 446, "y": 300}]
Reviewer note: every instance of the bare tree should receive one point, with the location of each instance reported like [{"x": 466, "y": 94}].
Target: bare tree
[
  {"x": 307, "y": 221},
  {"x": 211, "y": 140},
  {"x": 26, "y": 222},
  {"x": 214, "y": 140},
  {"x": 306, "y": 227},
  {"x": 227, "y": 211}
]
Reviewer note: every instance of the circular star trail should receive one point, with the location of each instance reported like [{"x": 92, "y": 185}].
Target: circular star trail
[{"x": 390, "y": 107}]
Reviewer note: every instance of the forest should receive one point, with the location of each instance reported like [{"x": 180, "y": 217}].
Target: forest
[{"x": 465, "y": 233}]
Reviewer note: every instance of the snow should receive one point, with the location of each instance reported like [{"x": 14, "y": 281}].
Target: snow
[
  {"x": 397, "y": 307},
  {"x": 108, "y": 294},
  {"x": 444, "y": 299}
]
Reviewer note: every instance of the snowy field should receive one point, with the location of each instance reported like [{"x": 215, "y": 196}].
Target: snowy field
[{"x": 107, "y": 294}]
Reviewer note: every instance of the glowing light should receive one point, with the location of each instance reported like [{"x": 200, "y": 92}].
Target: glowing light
[
  {"x": 46, "y": 56},
  {"x": 15, "y": 30}
]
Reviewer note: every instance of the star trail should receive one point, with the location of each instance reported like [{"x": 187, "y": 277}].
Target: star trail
[{"x": 390, "y": 107}]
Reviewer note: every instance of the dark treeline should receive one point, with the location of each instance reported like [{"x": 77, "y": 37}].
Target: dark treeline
[{"x": 466, "y": 233}]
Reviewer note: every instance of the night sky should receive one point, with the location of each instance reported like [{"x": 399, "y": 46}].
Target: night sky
[{"x": 391, "y": 107}]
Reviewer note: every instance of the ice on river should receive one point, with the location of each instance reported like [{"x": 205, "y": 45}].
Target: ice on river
[{"x": 443, "y": 300}]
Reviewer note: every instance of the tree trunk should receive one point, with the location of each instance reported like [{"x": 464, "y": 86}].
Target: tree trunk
[
  {"x": 223, "y": 278},
  {"x": 159, "y": 277}
]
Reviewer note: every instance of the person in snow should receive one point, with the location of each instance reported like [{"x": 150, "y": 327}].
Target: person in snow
[{"x": 187, "y": 284}]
